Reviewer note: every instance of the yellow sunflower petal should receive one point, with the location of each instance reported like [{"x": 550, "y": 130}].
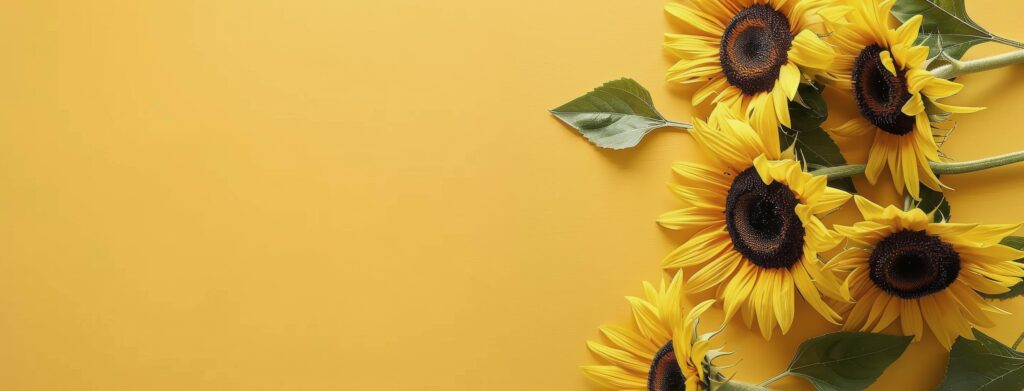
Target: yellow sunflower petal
[
  {"x": 789, "y": 79},
  {"x": 907, "y": 32},
  {"x": 914, "y": 105},
  {"x": 810, "y": 51},
  {"x": 738, "y": 289},
  {"x": 957, "y": 109},
  {"x": 618, "y": 357},
  {"x": 690, "y": 218},
  {"x": 698, "y": 249},
  {"x": 614, "y": 377},
  {"x": 647, "y": 319},
  {"x": 783, "y": 300},
  {"x": 856, "y": 127},
  {"x": 695, "y": 18},
  {"x": 781, "y": 103},
  {"x": 629, "y": 340},
  {"x": 910, "y": 319},
  {"x": 936, "y": 88},
  {"x": 714, "y": 273},
  {"x": 886, "y": 58}
]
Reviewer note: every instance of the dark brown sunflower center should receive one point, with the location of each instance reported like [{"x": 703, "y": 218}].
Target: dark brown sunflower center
[
  {"x": 912, "y": 264},
  {"x": 880, "y": 95},
  {"x": 762, "y": 221},
  {"x": 665, "y": 374},
  {"x": 755, "y": 46}
]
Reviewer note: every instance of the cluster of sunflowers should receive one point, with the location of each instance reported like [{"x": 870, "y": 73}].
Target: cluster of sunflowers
[{"x": 753, "y": 214}]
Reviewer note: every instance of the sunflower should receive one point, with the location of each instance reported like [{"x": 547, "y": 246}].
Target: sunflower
[
  {"x": 895, "y": 94},
  {"x": 755, "y": 226},
  {"x": 749, "y": 54},
  {"x": 667, "y": 353},
  {"x": 903, "y": 265}
]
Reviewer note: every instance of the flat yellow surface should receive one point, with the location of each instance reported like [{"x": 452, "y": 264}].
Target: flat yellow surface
[{"x": 360, "y": 195}]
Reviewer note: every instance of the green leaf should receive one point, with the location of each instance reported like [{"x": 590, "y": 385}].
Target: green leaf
[
  {"x": 983, "y": 365},
  {"x": 1016, "y": 242},
  {"x": 946, "y": 27},
  {"x": 809, "y": 110},
  {"x": 846, "y": 361},
  {"x": 811, "y": 145},
  {"x": 615, "y": 115},
  {"x": 934, "y": 201}
]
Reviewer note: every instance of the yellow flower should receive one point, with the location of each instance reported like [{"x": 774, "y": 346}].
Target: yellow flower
[
  {"x": 750, "y": 55},
  {"x": 665, "y": 354},
  {"x": 757, "y": 233},
  {"x": 886, "y": 75},
  {"x": 903, "y": 265}
]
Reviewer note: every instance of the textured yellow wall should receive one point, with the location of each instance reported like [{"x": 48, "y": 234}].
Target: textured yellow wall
[{"x": 357, "y": 195}]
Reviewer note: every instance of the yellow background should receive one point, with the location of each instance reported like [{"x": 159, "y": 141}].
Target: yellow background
[{"x": 359, "y": 195}]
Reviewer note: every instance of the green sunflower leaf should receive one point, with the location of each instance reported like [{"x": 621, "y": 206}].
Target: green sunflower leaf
[
  {"x": 616, "y": 115},
  {"x": 983, "y": 364},
  {"x": 845, "y": 360},
  {"x": 934, "y": 201},
  {"x": 946, "y": 27},
  {"x": 809, "y": 110},
  {"x": 1016, "y": 242},
  {"x": 811, "y": 145}
]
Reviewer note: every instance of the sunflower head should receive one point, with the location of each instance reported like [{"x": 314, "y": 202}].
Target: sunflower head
[
  {"x": 750, "y": 55},
  {"x": 665, "y": 353},
  {"x": 903, "y": 266},
  {"x": 757, "y": 234},
  {"x": 885, "y": 73}
]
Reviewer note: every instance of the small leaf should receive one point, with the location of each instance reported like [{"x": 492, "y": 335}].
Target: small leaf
[
  {"x": 846, "y": 360},
  {"x": 983, "y": 364},
  {"x": 946, "y": 27},
  {"x": 811, "y": 145},
  {"x": 1016, "y": 242},
  {"x": 934, "y": 201},
  {"x": 809, "y": 110},
  {"x": 615, "y": 115}
]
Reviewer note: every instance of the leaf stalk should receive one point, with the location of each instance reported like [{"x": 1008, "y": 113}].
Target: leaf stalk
[
  {"x": 774, "y": 379},
  {"x": 680, "y": 125}
]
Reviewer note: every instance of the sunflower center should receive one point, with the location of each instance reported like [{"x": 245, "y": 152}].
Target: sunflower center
[
  {"x": 665, "y": 374},
  {"x": 880, "y": 95},
  {"x": 912, "y": 264},
  {"x": 755, "y": 46},
  {"x": 762, "y": 221}
]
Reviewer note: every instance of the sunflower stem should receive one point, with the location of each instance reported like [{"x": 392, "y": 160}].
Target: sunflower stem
[
  {"x": 1017, "y": 343},
  {"x": 736, "y": 385},
  {"x": 956, "y": 67},
  {"x": 680, "y": 125},
  {"x": 774, "y": 379},
  {"x": 941, "y": 168}
]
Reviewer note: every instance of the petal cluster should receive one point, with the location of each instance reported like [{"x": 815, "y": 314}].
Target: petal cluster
[{"x": 631, "y": 351}]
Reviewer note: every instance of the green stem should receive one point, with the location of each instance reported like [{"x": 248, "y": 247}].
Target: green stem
[
  {"x": 940, "y": 168},
  {"x": 741, "y": 386},
  {"x": 680, "y": 125},
  {"x": 956, "y": 67},
  {"x": 1017, "y": 343},
  {"x": 774, "y": 379}
]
